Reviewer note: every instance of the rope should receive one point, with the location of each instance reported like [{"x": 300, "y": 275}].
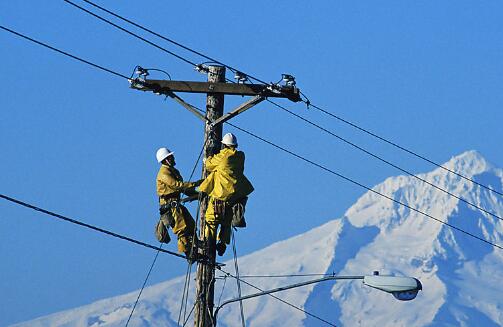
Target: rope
[
  {"x": 222, "y": 292},
  {"x": 185, "y": 294},
  {"x": 143, "y": 286},
  {"x": 236, "y": 268},
  {"x": 190, "y": 313}
]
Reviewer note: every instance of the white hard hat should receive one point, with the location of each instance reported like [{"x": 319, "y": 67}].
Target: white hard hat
[
  {"x": 230, "y": 139},
  {"x": 162, "y": 154}
]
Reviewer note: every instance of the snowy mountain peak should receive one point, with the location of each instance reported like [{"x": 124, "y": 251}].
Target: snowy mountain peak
[{"x": 468, "y": 163}]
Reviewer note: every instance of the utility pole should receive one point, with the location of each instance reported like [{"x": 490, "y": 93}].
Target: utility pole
[
  {"x": 215, "y": 89},
  {"x": 212, "y": 136}
]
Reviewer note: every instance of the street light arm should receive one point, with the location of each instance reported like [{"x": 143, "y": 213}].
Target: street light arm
[{"x": 279, "y": 289}]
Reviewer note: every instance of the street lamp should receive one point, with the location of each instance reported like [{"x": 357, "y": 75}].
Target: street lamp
[{"x": 402, "y": 288}]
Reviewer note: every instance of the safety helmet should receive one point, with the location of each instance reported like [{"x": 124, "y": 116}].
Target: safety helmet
[
  {"x": 230, "y": 139},
  {"x": 162, "y": 154}
]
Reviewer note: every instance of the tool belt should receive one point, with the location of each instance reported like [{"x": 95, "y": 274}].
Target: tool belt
[
  {"x": 164, "y": 209},
  {"x": 236, "y": 207}
]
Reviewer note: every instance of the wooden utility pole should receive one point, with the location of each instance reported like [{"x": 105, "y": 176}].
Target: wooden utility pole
[
  {"x": 215, "y": 88},
  {"x": 212, "y": 136}
]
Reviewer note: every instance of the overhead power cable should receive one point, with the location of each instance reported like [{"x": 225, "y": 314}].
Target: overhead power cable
[
  {"x": 261, "y": 81},
  {"x": 386, "y": 161},
  {"x": 306, "y": 101},
  {"x": 63, "y": 52},
  {"x": 101, "y": 230},
  {"x": 178, "y": 44},
  {"x": 415, "y": 154},
  {"x": 326, "y": 169},
  {"x": 131, "y": 33},
  {"x": 361, "y": 185},
  {"x": 278, "y": 298},
  {"x": 276, "y": 146}
]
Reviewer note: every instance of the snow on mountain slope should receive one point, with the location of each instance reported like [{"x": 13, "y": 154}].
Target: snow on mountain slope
[
  {"x": 462, "y": 277},
  {"x": 160, "y": 304}
]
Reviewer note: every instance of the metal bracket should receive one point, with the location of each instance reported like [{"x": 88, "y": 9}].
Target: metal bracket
[
  {"x": 186, "y": 105},
  {"x": 241, "y": 108}
]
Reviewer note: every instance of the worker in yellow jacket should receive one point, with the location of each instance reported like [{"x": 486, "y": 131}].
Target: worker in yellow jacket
[
  {"x": 226, "y": 184},
  {"x": 173, "y": 214}
]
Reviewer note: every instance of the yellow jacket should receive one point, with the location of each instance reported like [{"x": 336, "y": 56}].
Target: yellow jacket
[
  {"x": 170, "y": 184},
  {"x": 226, "y": 180}
]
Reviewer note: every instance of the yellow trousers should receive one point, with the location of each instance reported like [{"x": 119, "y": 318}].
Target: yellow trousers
[
  {"x": 214, "y": 221},
  {"x": 183, "y": 228}
]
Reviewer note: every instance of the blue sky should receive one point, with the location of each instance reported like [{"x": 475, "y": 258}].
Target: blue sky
[{"x": 79, "y": 142}]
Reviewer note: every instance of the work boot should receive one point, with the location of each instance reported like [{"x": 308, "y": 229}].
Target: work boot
[{"x": 221, "y": 248}]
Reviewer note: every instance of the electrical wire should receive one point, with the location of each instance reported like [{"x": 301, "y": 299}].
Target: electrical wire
[
  {"x": 283, "y": 149},
  {"x": 131, "y": 33},
  {"x": 307, "y": 101},
  {"x": 361, "y": 185},
  {"x": 170, "y": 40},
  {"x": 251, "y": 134},
  {"x": 279, "y": 299},
  {"x": 101, "y": 230},
  {"x": 385, "y": 161},
  {"x": 63, "y": 52},
  {"x": 415, "y": 154}
]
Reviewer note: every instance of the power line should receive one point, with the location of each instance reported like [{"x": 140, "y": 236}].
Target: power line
[
  {"x": 278, "y": 298},
  {"x": 166, "y": 39},
  {"x": 101, "y": 230},
  {"x": 306, "y": 101},
  {"x": 362, "y": 185},
  {"x": 274, "y": 145},
  {"x": 401, "y": 147},
  {"x": 384, "y": 160},
  {"x": 354, "y": 182},
  {"x": 131, "y": 33},
  {"x": 63, "y": 52}
]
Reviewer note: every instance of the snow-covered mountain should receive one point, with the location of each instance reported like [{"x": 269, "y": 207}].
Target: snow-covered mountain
[{"x": 462, "y": 277}]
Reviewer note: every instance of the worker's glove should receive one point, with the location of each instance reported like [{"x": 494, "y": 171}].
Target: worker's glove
[{"x": 163, "y": 209}]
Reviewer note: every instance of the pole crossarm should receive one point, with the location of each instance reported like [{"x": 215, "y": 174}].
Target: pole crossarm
[
  {"x": 241, "y": 108},
  {"x": 186, "y": 105},
  {"x": 269, "y": 91},
  {"x": 279, "y": 289}
]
